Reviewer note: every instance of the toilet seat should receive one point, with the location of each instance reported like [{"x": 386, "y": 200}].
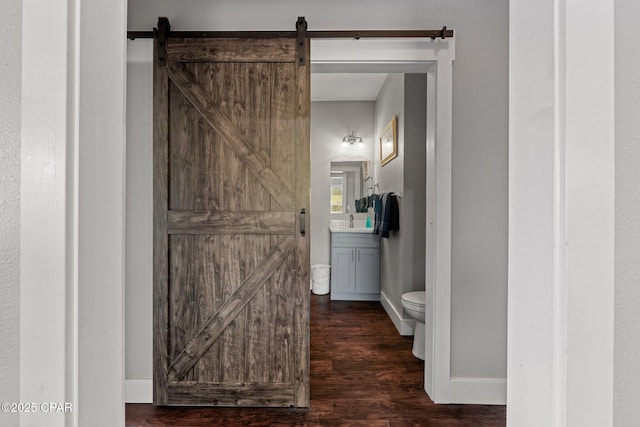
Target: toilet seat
[{"x": 414, "y": 300}]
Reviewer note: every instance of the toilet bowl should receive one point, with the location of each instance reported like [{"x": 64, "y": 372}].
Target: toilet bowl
[{"x": 413, "y": 304}]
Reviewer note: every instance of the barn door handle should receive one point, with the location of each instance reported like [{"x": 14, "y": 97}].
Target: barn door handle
[{"x": 302, "y": 221}]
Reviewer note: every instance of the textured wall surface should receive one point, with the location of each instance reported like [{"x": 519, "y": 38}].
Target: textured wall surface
[
  {"x": 627, "y": 292},
  {"x": 10, "y": 40}
]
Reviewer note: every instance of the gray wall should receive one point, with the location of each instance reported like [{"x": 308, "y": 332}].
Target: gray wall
[
  {"x": 390, "y": 103},
  {"x": 480, "y": 187},
  {"x": 627, "y": 220},
  {"x": 139, "y": 226},
  {"x": 402, "y": 268},
  {"x": 330, "y": 121},
  {"x": 413, "y": 215},
  {"x": 10, "y": 78},
  {"x": 480, "y": 89}
]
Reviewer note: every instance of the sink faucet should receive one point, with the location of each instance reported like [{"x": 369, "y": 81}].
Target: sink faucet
[{"x": 350, "y": 221}]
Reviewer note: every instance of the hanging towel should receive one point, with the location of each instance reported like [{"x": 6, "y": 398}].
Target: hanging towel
[
  {"x": 390, "y": 215},
  {"x": 362, "y": 204},
  {"x": 377, "y": 211}
]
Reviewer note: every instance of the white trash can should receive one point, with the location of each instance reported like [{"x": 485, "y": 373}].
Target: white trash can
[{"x": 320, "y": 279}]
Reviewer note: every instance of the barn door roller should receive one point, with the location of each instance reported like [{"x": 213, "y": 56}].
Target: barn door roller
[
  {"x": 161, "y": 34},
  {"x": 301, "y": 27}
]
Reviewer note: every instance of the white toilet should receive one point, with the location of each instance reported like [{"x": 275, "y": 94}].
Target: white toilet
[{"x": 413, "y": 303}]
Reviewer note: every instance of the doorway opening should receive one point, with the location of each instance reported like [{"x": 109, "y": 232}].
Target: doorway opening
[
  {"x": 344, "y": 59},
  {"x": 368, "y": 56}
]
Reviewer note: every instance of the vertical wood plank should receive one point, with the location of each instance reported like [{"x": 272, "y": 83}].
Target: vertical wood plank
[
  {"x": 256, "y": 368},
  {"x": 184, "y": 278},
  {"x": 258, "y": 132},
  {"x": 207, "y": 74},
  {"x": 283, "y": 124},
  {"x": 232, "y": 79},
  {"x": 208, "y": 367},
  {"x": 210, "y": 76},
  {"x": 257, "y": 101},
  {"x": 160, "y": 235},
  {"x": 300, "y": 294},
  {"x": 193, "y": 159},
  {"x": 282, "y": 159},
  {"x": 230, "y": 349},
  {"x": 278, "y": 338}
]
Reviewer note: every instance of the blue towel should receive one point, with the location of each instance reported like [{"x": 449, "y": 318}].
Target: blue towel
[{"x": 377, "y": 212}]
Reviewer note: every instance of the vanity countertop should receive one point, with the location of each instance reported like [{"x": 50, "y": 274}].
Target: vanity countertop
[{"x": 342, "y": 226}]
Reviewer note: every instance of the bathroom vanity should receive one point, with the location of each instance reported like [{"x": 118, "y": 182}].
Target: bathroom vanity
[{"x": 355, "y": 264}]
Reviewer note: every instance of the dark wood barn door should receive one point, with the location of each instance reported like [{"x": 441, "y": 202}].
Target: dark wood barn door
[{"x": 231, "y": 265}]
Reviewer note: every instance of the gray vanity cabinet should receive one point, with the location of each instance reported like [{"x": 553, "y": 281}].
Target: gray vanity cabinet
[{"x": 355, "y": 267}]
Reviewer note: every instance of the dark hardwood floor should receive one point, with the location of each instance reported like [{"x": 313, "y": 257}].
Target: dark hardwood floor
[{"x": 362, "y": 374}]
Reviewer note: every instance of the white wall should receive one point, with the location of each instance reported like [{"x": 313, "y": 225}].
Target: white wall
[
  {"x": 330, "y": 121},
  {"x": 45, "y": 171},
  {"x": 10, "y": 69},
  {"x": 101, "y": 212},
  {"x": 627, "y": 234},
  {"x": 561, "y": 205},
  {"x": 72, "y": 211}
]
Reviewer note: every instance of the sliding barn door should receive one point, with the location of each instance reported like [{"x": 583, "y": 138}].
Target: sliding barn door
[{"x": 231, "y": 259}]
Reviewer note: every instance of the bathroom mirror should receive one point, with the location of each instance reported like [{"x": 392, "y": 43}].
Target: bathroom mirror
[{"x": 349, "y": 181}]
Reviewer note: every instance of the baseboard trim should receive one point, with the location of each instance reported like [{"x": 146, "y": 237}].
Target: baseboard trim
[
  {"x": 481, "y": 391},
  {"x": 404, "y": 326},
  {"x": 138, "y": 391}
]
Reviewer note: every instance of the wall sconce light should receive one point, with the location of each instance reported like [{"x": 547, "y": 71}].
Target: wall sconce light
[{"x": 352, "y": 139}]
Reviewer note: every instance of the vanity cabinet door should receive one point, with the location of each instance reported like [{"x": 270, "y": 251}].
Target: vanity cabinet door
[
  {"x": 343, "y": 273},
  {"x": 367, "y": 270}
]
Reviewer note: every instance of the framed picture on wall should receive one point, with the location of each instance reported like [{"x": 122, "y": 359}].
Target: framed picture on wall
[
  {"x": 389, "y": 142},
  {"x": 366, "y": 170}
]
